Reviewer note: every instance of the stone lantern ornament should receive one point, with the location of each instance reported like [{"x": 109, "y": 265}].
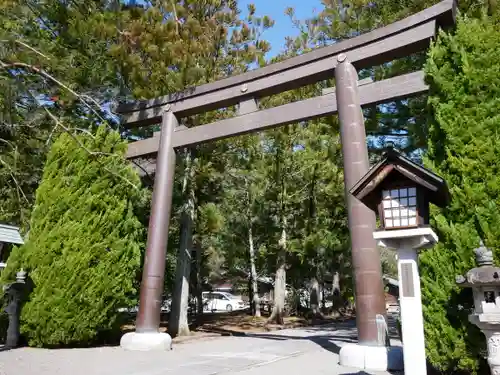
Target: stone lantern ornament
[
  {"x": 16, "y": 293},
  {"x": 485, "y": 283},
  {"x": 400, "y": 191}
]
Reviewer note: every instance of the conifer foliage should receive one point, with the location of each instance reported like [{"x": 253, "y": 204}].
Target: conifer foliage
[
  {"x": 85, "y": 243},
  {"x": 464, "y": 147}
]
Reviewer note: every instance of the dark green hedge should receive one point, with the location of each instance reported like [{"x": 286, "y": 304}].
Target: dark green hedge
[
  {"x": 84, "y": 247},
  {"x": 463, "y": 70}
]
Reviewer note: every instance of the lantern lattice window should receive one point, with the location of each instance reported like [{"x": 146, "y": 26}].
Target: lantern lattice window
[{"x": 400, "y": 207}]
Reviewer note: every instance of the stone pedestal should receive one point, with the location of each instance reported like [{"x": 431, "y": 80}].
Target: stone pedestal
[
  {"x": 493, "y": 342},
  {"x": 485, "y": 283},
  {"x": 16, "y": 294},
  {"x": 149, "y": 341},
  {"x": 372, "y": 358},
  {"x": 490, "y": 326}
]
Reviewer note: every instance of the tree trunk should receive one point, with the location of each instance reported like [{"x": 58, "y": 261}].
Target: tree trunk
[
  {"x": 336, "y": 301},
  {"x": 314, "y": 297},
  {"x": 323, "y": 296},
  {"x": 253, "y": 272},
  {"x": 199, "y": 282},
  {"x": 277, "y": 314},
  {"x": 250, "y": 295},
  {"x": 178, "y": 321}
]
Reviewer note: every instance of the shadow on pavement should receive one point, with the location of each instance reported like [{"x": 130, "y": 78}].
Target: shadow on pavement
[
  {"x": 324, "y": 339},
  {"x": 325, "y": 336}
]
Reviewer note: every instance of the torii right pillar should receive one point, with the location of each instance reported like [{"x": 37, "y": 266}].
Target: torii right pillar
[{"x": 370, "y": 352}]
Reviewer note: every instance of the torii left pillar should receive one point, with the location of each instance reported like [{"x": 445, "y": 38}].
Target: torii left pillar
[{"x": 147, "y": 335}]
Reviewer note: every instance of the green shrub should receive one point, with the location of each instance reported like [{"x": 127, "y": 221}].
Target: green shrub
[
  {"x": 84, "y": 247},
  {"x": 463, "y": 70}
]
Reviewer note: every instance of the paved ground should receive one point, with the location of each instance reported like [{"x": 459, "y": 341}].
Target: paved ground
[{"x": 292, "y": 352}]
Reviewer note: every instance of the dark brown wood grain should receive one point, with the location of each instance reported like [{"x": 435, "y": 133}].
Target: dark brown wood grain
[{"x": 374, "y": 93}]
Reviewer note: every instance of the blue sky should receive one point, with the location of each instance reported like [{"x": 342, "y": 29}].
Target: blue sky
[{"x": 276, "y": 10}]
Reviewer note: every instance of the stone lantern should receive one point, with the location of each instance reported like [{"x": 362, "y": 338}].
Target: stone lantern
[
  {"x": 485, "y": 283},
  {"x": 400, "y": 191},
  {"x": 16, "y": 293}
]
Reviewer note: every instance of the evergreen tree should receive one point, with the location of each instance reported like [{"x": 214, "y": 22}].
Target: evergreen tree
[
  {"x": 464, "y": 148},
  {"x": 243, "y": 208},
  {"x": 403, "y": 121},
  {"x": 84, "y": 248}
]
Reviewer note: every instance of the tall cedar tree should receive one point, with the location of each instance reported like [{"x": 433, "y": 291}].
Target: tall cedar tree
[
  {"x": 402, "y": 121},
  {"x": 84, "y": 247},
  {"x": 464, "y": 148}
]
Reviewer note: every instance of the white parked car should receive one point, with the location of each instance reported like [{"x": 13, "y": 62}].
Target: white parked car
[{"x": 222, "y": 301}]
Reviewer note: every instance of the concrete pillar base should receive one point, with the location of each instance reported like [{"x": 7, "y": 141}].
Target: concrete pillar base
[
  {"x": 374, "y": 358},
  {"x": 151, "y": 341}
]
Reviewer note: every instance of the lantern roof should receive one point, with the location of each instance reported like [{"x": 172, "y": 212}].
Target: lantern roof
[
  {"x": 394, "y": 165},
  {"x": 485, "y": 274},
  {"x": 480, "y": 276},
  {"x": 10, "y": 234}
]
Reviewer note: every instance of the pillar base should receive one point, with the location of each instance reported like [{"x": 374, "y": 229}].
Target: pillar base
[
  {"x": 374, "y": 358},
  {"x": 151, "y": 341}
]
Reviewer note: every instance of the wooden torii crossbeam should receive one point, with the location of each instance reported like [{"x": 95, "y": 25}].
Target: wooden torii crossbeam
[{"x": 400, "y": 39}]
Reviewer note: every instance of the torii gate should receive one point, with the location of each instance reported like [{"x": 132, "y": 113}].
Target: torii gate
[{"x": 400, "y": 39}]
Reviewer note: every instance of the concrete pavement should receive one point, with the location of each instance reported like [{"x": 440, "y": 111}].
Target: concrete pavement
[{"x": 311, "y": 350}]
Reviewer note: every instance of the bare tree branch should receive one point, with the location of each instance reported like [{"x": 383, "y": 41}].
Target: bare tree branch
[
  {"x": 8, "y": 143},
  {"x": 43, "y": 73},
  {"x": 26, "y": 46},
  {"x": 85, "y": 99},
  {"x": 146, "y": 173},
  {"x": 176, "y": 18},
  {"x": 18, "y": 186}
]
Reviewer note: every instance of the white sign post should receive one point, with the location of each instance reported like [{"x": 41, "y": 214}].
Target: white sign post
[{"x": 407, "y": 242}]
